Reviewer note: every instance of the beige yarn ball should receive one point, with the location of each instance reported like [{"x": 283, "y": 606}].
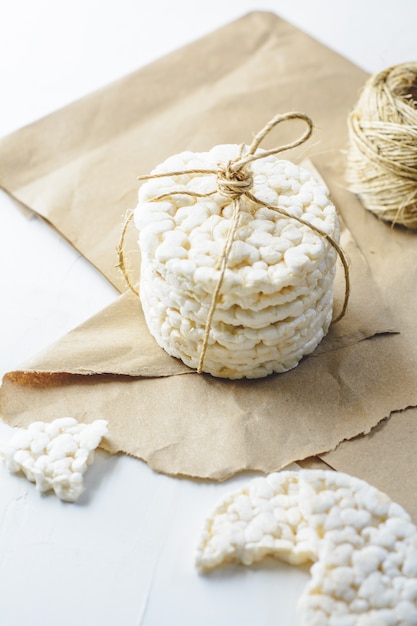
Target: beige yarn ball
[{"x": 381, "y": 162}]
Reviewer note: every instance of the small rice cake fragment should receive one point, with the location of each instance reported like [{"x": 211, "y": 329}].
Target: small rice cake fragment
[{"x": 54, "y": 455}]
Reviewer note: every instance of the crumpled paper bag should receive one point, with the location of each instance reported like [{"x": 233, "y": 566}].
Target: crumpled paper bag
[
  {"x": 184, "y": 423},
  {"x": 77, "y": 168}
]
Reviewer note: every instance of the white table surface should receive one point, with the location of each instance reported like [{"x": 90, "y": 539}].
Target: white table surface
[{"x": 123, "y": 554}]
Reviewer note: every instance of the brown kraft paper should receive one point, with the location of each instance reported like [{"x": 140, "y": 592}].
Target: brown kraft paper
[{"x": 77, "y": 168}]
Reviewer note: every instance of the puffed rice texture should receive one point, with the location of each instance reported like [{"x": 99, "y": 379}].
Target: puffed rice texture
[
  {"x": 363, "y": 546},
  {"x": 276, "y": 300},
  {"x": 54, "y": 455}
]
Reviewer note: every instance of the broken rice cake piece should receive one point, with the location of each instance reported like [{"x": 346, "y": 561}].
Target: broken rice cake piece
[
  {"x": 54, "y": 455},
  {"x": 362, "y": 545}
]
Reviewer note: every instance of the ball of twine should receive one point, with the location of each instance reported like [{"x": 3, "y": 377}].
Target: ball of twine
[{"x": 382, "y": 155}]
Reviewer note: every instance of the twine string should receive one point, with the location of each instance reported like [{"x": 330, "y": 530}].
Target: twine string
[
  {"x": 329, "y": 239},
  {"x": 120, "y": 249},
  {"x": 235, "y": 181},
  {"x": 215, "y": 296},
  {"x": 259, "y": 137}
]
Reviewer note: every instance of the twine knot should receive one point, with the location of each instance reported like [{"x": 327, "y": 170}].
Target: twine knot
[{"x": 232, "y": 182}]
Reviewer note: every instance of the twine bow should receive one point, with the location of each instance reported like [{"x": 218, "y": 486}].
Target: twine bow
[{"x": 234, "y": 181}]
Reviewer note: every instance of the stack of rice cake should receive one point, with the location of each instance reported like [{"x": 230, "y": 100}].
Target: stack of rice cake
[{"x": 276, "y": 298}]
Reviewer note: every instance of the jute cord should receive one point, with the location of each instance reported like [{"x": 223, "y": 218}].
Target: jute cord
[
  {"x": 120, "y": 249},
  {"x": 381, "y": 162},
  {"x": 235, "y": 181}
]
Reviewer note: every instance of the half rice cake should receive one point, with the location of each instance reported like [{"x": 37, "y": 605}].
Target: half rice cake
[
  {"x": 276, "y": 299},
  {"x": 361, "y": 544}
]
